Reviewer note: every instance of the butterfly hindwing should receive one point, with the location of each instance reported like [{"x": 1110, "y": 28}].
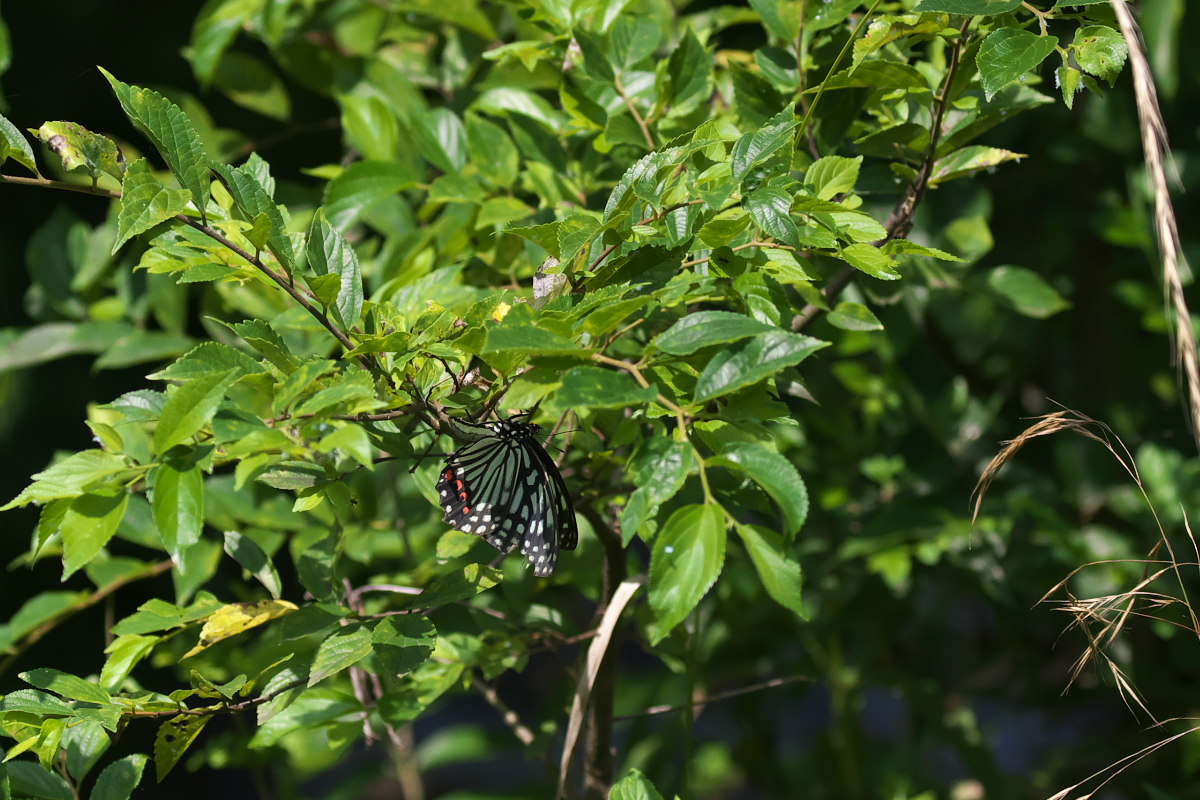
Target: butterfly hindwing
[{"x": 504, "y": 487}]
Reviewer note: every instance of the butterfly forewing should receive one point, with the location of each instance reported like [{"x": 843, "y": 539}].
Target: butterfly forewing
[{"x": 504, "y": 487}]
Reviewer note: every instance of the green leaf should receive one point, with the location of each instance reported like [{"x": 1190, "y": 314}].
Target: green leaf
[
  {"x": 351, "y": 439},
  {"x": 82, "y": 150},
  {"x": 771, "y": 210},
  {"x": 120, "y": 778},
  {"x": 145, "y": 203},
  {"x": 1009, "y": 53},
  {"x": 30, "y": 701},
  {"x": 214, "y": 28},
  {"x": 330, "y": 254},
  {"x": 123, "y": 655},
  {"x": 970, "y": 7},
  {"x": 402, "y": 643},
  {"x": 263, "y": 338},
  {"x": 362, "y": 186},
  {"x": 253, "y": 198},
  {"x": 871, "y": 260},
  {"x": 207, "y": 359},
  {"x": 32, "y": 780},
  {"x": 254, "y": 560},
  {"x": 71, "y": 477},
  {"x": 1100, "y": 51},
  {"x": 1026, "y": 291},
  {"x": 833, "y": 175},
  {"x": 853, "y": 317},
  {"x": 250, "y": 83},
  {"x": 492, "y": 151},
  {"x": 593, "y": 387},
  {"x": 518, "y": 332},
  {"x": 178, "y": 506},
  {"x": 748, "y": 363},
  {"x": 689, "y": 70},
  {"x": 91, "y": 520},
  {"x": 458, "y": 585},
  {"x": 174, "y": 737},
  {"x": 15, "y": 146},
  {"x": 778, "y": 571},
  {"x": 171, "y": 132},
  {"x": 190, "y": 407},
  {"x": 775, "y": 474},
  {"x": 687, "y": 558},
  {"x": 69, "y": 686},
  {"x": 755, "y": 147},
  {"x": 705, "y": 328},
  {"x": 85, "y": 743},
  {"x": 345, "y": 648},
  {"x": 308, "y": 712},
  {"x": 969, "y": 160}
]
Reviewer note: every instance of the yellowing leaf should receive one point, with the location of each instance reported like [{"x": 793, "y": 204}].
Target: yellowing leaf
[{"x": 238, "y": 618}]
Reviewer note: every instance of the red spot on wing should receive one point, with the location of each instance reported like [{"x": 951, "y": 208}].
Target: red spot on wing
[{"x": 466, "y": 510}]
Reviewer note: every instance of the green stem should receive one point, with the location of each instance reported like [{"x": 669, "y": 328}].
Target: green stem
[{"x": 862, "y": 23}]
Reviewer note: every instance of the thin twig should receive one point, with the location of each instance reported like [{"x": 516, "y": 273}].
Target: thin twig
[
  {"x": 900, "y": 222},
  {"x": 701, "y": 703}
]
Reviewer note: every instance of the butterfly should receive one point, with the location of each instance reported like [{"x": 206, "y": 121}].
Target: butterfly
[{"x": 502, "y": 485}]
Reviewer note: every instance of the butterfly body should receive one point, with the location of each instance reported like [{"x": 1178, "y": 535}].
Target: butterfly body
[{"x": 503, "y": 486}]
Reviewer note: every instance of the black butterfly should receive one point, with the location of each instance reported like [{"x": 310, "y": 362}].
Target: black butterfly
[{"x": 503, "y": 486}]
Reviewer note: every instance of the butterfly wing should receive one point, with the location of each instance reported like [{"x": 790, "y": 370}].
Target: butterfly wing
[
  {"x": 565, "y": 528},
  {"x": 476, "y": 490},
  {"x": 503, "y": 486}
]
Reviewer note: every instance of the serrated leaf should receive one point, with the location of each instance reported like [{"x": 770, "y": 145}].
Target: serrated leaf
[
  {"x": 771, "y": 210},
  {"x": 15, "y": 146},
  {"x": 172, "y": 134},
  {"x": 345, "y": 648},
  {"x": 235, "y": 618},
  {"x": 174, "y": 737},
  {"x": 254, "y": 200},
  {"x": 207, "y": 359},
  {"x": 118, "y": 780},
  {"x": 27, "y": 779},
  {"x": 71, "y": 477},
  {"x": 755, "y": 147},
  {"x": 263, "y": 338},
  {"x": 705, "y": 328},
  {"x": 85, "y": 743},
  {"x": 969, "y": 7},
  {"x": 190, "y": 407},
  {"x": 69, "y": 686},
  {"x": 871, "y": 260},
  {"x": 752, "y": 361},
  {"x": 833, "y": 175},
  {"x": 80, "y": 149},
  {"x": 777, "y": 569},
  {"x": 330, "y": 254},
  {"x": 145, "y": 203},
  {"x": 688, "y": 555},
  {"x": 775, "y": 474},
  {"x": 635, "y": 785},
  {"x": 1100, "y": 51},
  {"x": 1009, "y": 53}
]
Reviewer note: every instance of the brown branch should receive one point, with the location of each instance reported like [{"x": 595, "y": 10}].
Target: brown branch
[
  {"x": 598, "y": 763},
  {"x": 641, "y": 121},
  {"x": 46, "y": 183},
  {"x": 86, "y": 602},
  {"x": 519, "y": 729},
  {"x": 900, "y": 221},
  {"x": 699, "y": 704}
]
